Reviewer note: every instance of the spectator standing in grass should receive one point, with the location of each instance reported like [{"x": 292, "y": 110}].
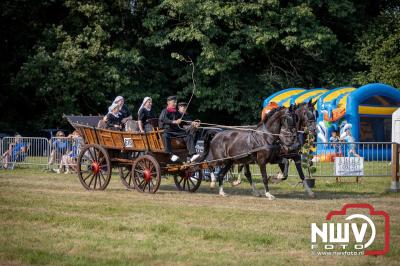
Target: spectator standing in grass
[
  {"x": 335, "y": 139},
  {"x": 351, "y": 145}
]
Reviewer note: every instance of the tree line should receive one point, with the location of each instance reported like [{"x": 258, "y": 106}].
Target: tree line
[{"x": 75, "y": 56}]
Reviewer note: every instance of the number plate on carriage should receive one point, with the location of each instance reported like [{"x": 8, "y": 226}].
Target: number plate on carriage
[{"x": 128, "y": 143}]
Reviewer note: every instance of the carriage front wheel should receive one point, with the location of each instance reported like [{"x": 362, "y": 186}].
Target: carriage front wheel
[
  {"x": 94, "y": 167},
  {"x": 187, "y": 180},
  {"x": 146, "y": 174}
]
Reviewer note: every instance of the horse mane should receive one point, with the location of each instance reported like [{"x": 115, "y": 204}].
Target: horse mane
[
  {"x": 274, "y": 116},
  {"x": 302, "y": 105},
  {"x": 272, "y": 113}
]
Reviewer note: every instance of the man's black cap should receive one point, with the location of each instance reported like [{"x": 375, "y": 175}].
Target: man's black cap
[
  {"x": 171, "y": 98},
  {"x": 182, "y": 104}
]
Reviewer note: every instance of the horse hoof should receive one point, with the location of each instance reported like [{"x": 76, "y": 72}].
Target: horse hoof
[
  {"x": 269, "y": 196},
  {"x": 213, "y": 184},
  {"x": 311, "y": 195},
  {"x": 223, "y": 194},
  {"x": 236, "y": 183},
  {"x": 279, "y": 176}
]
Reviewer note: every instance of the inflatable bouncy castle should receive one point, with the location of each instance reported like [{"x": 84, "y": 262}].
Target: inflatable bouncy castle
[{"x": 365, "y": 111}]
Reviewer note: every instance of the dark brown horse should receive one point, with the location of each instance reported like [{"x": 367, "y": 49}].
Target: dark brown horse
[
  {"x": 306, "y": 115},
  {"x": 262, "y": 145},
  {"x": 307, "y": 121}
]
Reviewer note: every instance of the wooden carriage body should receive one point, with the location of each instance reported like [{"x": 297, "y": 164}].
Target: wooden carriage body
[{"x": 140, "y": 158}]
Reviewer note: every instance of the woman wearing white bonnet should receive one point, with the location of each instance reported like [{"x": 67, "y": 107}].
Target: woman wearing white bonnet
[
  {"x": 114, "y": 119},
  {"x": 123, "y": 109},
  {"x": 144, "y": 114}
]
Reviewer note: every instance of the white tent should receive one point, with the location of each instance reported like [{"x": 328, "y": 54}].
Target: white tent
[{"x": 396, "y": 126}]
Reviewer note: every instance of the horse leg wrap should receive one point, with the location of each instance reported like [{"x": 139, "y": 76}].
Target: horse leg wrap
[
  {"x": 269, "y": 195},
  {"x": 255, "y": 191},
  {"x": 221, "y": 192},
  {"x": 308, "y": 190},
  {"x": 213, "y": 180}
]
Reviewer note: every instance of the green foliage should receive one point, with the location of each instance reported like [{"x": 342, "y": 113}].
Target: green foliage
[
  {"x": 75, "y": 56},
  {"x": 307, "y": 154},
  {"x": 241, "y": 48},
  {"x": 380, "y": 50},
  {"x": 84, "y": 70}
]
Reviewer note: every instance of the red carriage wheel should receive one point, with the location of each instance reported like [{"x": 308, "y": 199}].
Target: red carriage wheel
[
  {"x": 125, "y": 173},
  {"x": 146, "y": 174},
  {"x": 94, "y": 167},
  {"x": 188, "y": 180}
]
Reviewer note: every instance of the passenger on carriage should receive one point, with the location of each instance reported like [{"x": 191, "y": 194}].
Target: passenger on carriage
[
  {"x": 123, "y": 109},
  {"x": 145, "y": 114},
  {"x": 187, "y": 121},
  {"x": 182, "y": 112},
  {"x": 170, "y": 120},
  {"x": 114, "y": 118}
]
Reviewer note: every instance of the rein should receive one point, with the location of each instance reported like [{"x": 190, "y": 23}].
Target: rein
[{"x": 244, "y": 128}]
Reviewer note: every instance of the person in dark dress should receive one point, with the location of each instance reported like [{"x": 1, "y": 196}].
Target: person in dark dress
[
  {"x": 187, "y": 121},
  {"x": 169, "y": 120},
  {"x": 145, "y": 113},
  {"x": 124, "y": 112},
  {"x": 113, "y": 118}
]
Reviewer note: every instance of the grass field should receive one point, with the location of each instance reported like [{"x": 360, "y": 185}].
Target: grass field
[{"x": 49, "y": 219}]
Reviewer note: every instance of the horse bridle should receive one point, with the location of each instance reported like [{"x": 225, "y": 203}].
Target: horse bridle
[{"x": 309, "y": 122}]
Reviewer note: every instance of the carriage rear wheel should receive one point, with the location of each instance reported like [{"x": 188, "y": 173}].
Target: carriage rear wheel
[
  {"x": 188, "y": 180},
  {"x": 94, "y": 167},
  {"x": 125, "y": 173},
  {"x": 146, "y": 174}
]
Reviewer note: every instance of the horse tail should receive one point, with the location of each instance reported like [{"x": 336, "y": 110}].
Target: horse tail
[{"x": 207, "y": 141}]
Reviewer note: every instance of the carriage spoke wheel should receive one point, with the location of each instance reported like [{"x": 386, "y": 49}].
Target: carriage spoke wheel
[
  {"x": 125, "y": 173},
  {"x": 188, "y": 180},
  {"x": 94, "y": 167},
  {"x": 146, "y": 174}
]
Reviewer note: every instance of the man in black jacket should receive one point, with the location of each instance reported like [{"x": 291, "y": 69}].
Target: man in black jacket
[{"x": 170, "y": 119}]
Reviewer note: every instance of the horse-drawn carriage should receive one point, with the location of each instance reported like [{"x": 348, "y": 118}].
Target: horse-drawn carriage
[{"x": 140, "y": 158}]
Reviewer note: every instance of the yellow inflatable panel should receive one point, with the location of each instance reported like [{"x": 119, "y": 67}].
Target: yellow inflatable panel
[
  {"x": 309, "y": 94},
  {"x": 287, "y": 103},
  {"x": 343, "y": 101},
  {"x": 283, "y": 96},
  {"x": 336, "y": 94},
  {"x": 375, "y": 110}
]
